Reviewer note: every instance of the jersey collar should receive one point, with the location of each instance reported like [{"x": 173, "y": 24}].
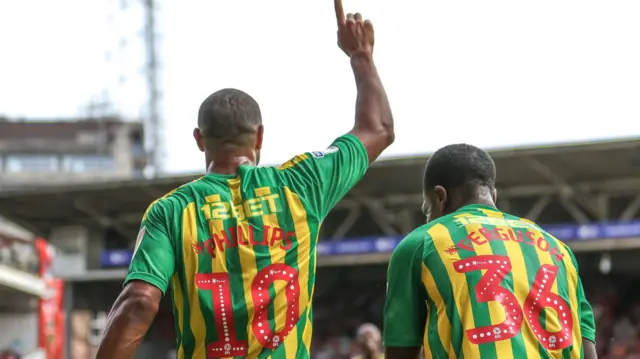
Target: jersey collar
[{"x": 471, "y": 207}]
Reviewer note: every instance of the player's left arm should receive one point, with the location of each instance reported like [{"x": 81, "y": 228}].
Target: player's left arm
[
  {"x": 405, "y": 308},
  {"x": 151, "y": 268},
  {"x": 325, "y": 177},
  {"x": 585, "y": 312}
]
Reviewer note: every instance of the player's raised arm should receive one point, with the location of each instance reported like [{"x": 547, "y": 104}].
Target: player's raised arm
[
  {"x": 374, "y": 120},
  {"x": 325, "y": 177}
]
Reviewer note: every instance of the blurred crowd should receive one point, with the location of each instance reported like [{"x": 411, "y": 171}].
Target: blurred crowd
[
  {"x": 338, "y": 343},
  {"x": 8, "y": 354},
  {"x": 616, "y": 307},
  {"x": 13, "y": 351}
]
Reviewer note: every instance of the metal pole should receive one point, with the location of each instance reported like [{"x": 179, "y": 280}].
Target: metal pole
[{"x": 153, "y": 123}]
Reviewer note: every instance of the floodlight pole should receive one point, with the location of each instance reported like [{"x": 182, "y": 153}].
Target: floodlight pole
[{"x": 153, "y": 124}]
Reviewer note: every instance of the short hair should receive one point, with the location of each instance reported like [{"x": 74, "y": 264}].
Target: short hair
[
  {"x": 228, "y": 114},
  {"x": 460, "y": 166}
]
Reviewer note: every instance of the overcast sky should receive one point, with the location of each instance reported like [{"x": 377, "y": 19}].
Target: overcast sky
[{"x": 491, "y": 73}]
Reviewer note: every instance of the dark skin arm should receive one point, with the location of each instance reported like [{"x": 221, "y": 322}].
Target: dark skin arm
[
  {"x": 414, "y": 352},
  {"x": 374, "y": 120},
  {"x": 129, "y": 320},
  {"x": 589, "y": 348}
]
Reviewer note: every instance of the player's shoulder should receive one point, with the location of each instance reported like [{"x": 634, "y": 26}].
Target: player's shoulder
[
  {"x": 515, "y": 220},
  {"x": 413, "y": 239},
  {"x": 413, "y": 243},
  {"x": 440, "y": 232},
  {"x": 519, "y": 221},
  {"x": 346, "y": 143},
  {"x": 174, "y": 199},
  {"x": 439, "y": 227},
  {"x": 186, "y": 190},
  {"x": 263, "y": 176},
  {"x": 419, "y": 234},
  {"x": 253, "y": 177},
  {"x": 424, "y": 233}
]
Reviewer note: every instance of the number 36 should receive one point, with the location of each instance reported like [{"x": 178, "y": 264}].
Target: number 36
[{"x": 540, "y": 297}]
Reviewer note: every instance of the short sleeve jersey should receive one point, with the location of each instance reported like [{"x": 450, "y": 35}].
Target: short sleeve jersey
[
  {"x": 239, "y": 252},
  {"x": 480, "y": 283}
]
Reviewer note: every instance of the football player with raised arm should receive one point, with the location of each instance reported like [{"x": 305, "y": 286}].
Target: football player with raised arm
[{"x": 237, "y": 246}]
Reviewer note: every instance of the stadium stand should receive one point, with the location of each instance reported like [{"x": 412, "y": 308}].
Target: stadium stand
[
  {"x": 587, "y": 194},
  {"x": 21, "y": 290}
]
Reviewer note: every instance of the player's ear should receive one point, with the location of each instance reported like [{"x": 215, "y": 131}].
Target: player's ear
[
  {"x": 198, "y": 137},
  {"x": 259, "y": 135},
  {"x": 442, "y": 198}
]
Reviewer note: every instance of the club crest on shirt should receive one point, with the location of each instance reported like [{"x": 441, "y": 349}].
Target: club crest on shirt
[
  {"x": 451, "y": 250},
  {"x": 139, "y": 239},
  {"x": 320, "y": 154}
]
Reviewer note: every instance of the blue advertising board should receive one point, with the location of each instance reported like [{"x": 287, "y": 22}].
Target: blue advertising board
[{"x": 373, "y": 245}]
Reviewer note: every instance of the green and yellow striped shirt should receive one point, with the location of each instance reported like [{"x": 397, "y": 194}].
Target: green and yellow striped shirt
[
  {"x": 480, "y": 283},
  {"x": 239, "y": 253}
]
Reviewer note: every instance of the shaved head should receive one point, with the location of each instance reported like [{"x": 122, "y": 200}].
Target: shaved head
[{"x": 229, "y": 116}]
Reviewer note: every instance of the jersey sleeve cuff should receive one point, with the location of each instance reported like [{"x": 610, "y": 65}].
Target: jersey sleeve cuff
[
  {"x": 362, "y": 151},
  {"x": 148, "y": 278},
  {"x": 589, "y": 334}
]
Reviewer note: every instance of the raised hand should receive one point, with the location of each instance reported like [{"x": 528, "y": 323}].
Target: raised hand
[{"x": 355, "y": 36}]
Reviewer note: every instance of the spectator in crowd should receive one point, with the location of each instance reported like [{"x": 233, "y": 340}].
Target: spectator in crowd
[
  {"x": 13, "y": 352},
  {"x": 369, "y": 341}
]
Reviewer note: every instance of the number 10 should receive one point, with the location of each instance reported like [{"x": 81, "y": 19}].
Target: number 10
[{"x": 227, "y": 344}]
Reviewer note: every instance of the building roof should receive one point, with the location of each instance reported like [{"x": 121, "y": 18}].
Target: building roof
[
  {"x": 10, "y": 231},
  {"x": 524, "y": 166},
  {"x": 119, "y": 204},
  {"x": 55, "y": 129}
]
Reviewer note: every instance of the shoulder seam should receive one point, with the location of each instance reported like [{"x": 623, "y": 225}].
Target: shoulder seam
[
  {"x": 167, "y": 195},
  {"x": 173, "y": 191},
  {"x": 292, "y": 162}
]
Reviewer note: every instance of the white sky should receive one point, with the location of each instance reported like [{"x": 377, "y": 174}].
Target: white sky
[{"x": 492, "y": 73}]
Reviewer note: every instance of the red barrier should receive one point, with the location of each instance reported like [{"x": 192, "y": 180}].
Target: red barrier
[{"x": 51, "y": 308}]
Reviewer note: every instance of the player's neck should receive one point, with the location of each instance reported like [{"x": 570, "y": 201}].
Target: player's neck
[
  {"x": 227, "y": 161},
  {"x": 483, "y": 200},
  {"x": 480, "y": 195}
]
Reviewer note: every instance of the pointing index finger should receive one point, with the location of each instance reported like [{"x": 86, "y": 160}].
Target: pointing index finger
[{"x": 339, "y": 11}]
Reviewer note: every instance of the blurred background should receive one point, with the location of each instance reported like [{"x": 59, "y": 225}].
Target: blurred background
[{"x": 98, "y": 100}]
